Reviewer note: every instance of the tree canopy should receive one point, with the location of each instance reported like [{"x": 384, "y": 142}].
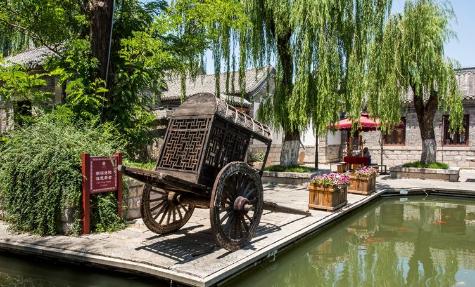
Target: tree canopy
[
  {"x": 410, "y": 58},
  {"x": 150, "y": 41},
  {"x": 331, "y": 56}
]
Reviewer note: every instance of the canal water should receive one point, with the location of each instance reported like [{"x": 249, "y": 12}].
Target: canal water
[
  {"x": 27, "y": 272},
  {"x": 414, "y": 241}
]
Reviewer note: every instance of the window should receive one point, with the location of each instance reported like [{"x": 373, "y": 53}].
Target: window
[
  {"x": 397, "y": 136},
  {"x": 455, "y": 138}
]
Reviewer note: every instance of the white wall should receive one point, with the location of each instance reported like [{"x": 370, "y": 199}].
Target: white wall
[{"x": 334, "y": 138}]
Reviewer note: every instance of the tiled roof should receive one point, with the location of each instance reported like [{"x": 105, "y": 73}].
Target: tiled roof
[
  {"x": 465, "y": 80},
  {"x": 32, "y": 58},
  {"x": 255, "y": 78}
]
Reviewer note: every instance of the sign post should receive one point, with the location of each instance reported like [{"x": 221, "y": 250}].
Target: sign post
[{"x": 99, "y": 175}]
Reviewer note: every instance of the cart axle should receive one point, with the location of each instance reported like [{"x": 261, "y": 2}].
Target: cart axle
[{"x": 272, "y": 206}]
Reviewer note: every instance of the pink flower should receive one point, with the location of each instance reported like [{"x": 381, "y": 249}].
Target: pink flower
[
  {"x": 331, "y": 179},
  {"x": 366, "y": 171}
]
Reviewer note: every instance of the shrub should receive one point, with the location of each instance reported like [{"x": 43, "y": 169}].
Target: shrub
[
  {"x": 435, "y": 165},
  {"x": 256, "y": 156},
  {"x": 40, "y": 174},
  {"x": 292, "y": 168}
]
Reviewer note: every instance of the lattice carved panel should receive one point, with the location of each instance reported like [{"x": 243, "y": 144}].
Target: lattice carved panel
[
  {"x": 226, "y": 144},
  {"x": 184, "y": 144}
]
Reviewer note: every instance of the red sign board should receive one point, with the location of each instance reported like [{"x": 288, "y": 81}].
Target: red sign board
[
  {"x": 103, "y": 174},
  {"x": 99, "y": 174}
]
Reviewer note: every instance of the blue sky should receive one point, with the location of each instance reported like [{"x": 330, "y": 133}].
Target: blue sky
[{"x": 462, "y": 48}]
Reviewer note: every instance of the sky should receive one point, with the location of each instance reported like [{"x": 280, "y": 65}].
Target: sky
[{"x": 462, "y": 48}]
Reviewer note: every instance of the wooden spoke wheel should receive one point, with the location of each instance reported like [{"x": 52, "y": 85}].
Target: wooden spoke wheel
[
  {"x": 236, "y": 205},
  {"x": 162, "y": 211}
]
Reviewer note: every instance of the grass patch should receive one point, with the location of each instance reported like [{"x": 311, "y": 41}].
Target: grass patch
[
  {"x": 435, "y": 165},
  {"x": 293, "y": 168},
  {"x": 142, "y": 165}
]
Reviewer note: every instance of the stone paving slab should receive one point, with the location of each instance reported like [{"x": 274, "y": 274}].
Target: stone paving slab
[{"x": 190, "y": 255}]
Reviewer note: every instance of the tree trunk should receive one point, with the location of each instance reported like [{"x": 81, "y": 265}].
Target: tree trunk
[
  {"x": 290, "y": 149},
  {"x": 291, "y": 141},
  {"x": 316, "y": 150},
  {"x": 425, "y": 117},
  {"x": 100, "y": 17}
]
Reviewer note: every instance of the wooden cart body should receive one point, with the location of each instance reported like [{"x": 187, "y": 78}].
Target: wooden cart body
[
  {"x": 204, "y": 134},
  {"x": 201, "y": 165}
]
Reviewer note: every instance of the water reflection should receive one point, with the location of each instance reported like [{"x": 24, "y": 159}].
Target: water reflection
[
  {"x": 414, "y": 242},
  {"x": 25, "y": 272}
]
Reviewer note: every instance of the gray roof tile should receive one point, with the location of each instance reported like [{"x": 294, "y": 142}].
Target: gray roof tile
[
  {"x": 206, "y": 84},
  {"x": 466, "y": 81},
  {"x": 32, "y": 58}
]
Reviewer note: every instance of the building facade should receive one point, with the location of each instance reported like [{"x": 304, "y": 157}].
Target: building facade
[{"x": 403, "y": 144}]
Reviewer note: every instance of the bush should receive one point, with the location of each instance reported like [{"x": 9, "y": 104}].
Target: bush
[
  {"x": 40, "y": 174},
  {"x": 293, "y": 168},
  {"x": 435, "y": 165},
  {"x": 256, "y": 157}
]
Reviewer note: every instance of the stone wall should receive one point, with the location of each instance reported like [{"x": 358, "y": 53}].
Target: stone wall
[
  {"x": 456, "y": 156},
  {"x": 392, "y": 155},
  {"x": 6, "y": 119},
  {"x": 326, "y": 153},
  {"x": 134, "y": 199}
]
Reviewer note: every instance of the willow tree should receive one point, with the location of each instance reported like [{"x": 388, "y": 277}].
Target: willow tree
[
  {"x": 321, "y": 50},
  {"x": 410, "y": 57}
]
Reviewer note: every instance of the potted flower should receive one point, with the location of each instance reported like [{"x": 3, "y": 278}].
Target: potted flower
[
  {"x": 328, "y": 191},
  {"x": 363, "y": 181}
]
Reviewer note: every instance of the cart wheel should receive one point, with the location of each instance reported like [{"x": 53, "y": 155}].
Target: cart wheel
[
  {"x": 162, "y": 211},
  {"x": 236, "y": 205}
]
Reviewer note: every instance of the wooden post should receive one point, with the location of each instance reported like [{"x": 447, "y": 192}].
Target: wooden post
[
  {"x": 86, "y": 209},
  {"x": 119, "y": 183}
]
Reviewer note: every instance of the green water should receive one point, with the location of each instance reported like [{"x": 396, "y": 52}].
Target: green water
[
  {"x": 26, "y": 272},
  {"x": 411, "y": 241}
]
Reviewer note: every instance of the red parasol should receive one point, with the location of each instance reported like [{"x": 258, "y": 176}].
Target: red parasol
[{"x": 364, "y": 124}]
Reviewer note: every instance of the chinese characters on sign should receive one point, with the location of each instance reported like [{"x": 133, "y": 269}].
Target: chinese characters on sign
[
  {"x": 103, "y": 174},
  {"x": 99, "y": 174}
]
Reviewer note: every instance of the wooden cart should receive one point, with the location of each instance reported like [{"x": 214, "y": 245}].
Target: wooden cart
[{"x": 201, "y": 165}]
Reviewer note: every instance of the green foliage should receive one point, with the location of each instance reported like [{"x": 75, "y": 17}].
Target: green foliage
[
  {"x": 75, "y": 71},
  {"x": 435, "y": 165},
  {"x": 149, "y": 41},
  {"x": 256, "y": 157},
  {"x": 150, "y": 165},
  {"x": 322, "y": 51},
  {"x": 18, "y": 84},
  {"x": 40, "y": 172},
  {"x": 292, "y": 168},
  {"x": 411, "y": 56},
  {"x": 44, "y": 22}
]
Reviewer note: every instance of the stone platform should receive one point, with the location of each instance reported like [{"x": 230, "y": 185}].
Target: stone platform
[{"x": 190, "y": 256}]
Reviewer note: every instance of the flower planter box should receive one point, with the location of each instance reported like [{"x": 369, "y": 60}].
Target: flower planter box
[
  {"x": 365, "y": 185},
  {"x": 327, "y": 198}
]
